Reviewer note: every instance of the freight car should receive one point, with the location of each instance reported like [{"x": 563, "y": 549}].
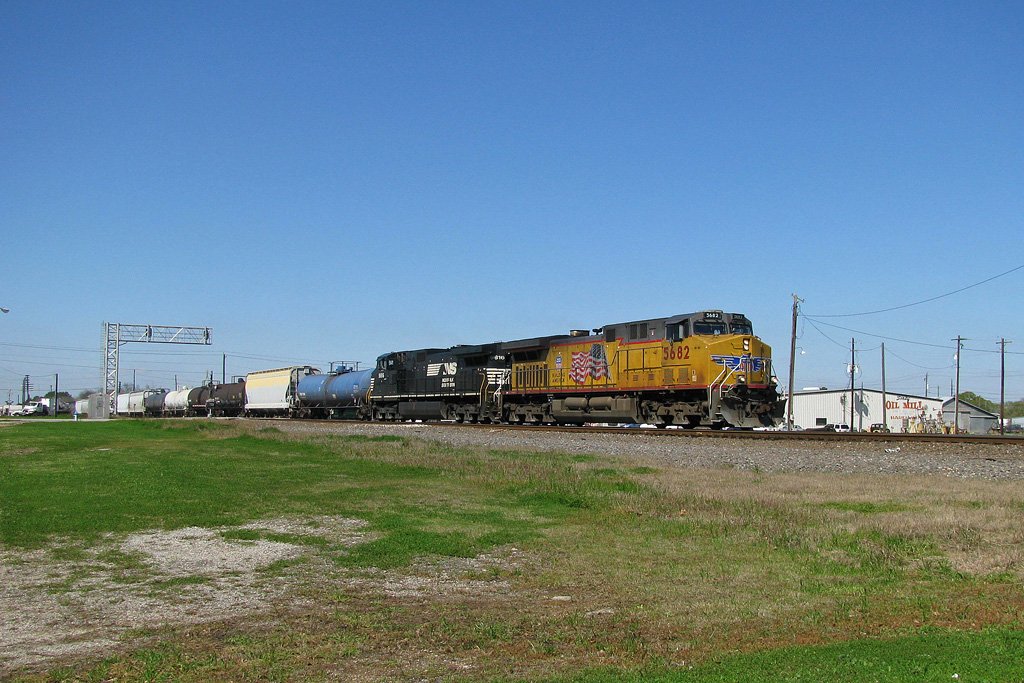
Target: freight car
[
  {"x": 133, "y": 403},
  {"x": 154, "y": 403},
  {"x": 342, "y": 394},
  {"x": 705, "y": 368},
  {"x": 226, "y": 400},
  {"x": 274, "y": 392},
  {"x": 176, "y": 402},
  {"x": 195, "y": 402}
]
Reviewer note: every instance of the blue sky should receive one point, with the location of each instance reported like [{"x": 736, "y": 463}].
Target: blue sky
[{"x": 328, "y": 181}]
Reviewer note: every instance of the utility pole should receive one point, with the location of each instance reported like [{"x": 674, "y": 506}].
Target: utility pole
[
  {"x": 792, "y": 365},
  {"x": 56, "y": 390},
  {"x": 885, "y": 410},
  {"x": 1002, "y": 384},
  {"x": 956, "y": 393},
  {"x": 853, "y": 367},
  {"x": 926, "y": 385},
  {"x": 223, "y": 367}
]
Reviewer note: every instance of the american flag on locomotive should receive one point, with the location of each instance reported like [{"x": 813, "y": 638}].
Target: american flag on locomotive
[{"x": 593, "y": 364}]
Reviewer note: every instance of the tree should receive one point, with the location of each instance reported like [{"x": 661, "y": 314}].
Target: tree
[
  {"x": 63, "y": 396},
  {"x": 979, "y": 401}
]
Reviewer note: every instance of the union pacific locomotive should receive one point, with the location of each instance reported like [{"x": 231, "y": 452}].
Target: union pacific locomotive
[{"x": 698, "y": 369}]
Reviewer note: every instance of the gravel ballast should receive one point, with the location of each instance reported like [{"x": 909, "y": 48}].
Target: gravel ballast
[{"x": 960, "y": 460}]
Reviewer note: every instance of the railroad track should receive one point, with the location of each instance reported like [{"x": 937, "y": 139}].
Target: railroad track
[{"x": 806, "y": 435}]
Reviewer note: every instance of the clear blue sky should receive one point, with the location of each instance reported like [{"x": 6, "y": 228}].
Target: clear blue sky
[{"x": 326, "y": 181}]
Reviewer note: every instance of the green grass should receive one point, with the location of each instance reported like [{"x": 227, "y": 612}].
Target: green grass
[
  {"x": 80, "y": 481},
  {"x": 935, "y": 655},
  {"x": 655, "y": 572}
]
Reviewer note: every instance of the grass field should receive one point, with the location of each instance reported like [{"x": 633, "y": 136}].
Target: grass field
[{"x": 305, "y": 558}]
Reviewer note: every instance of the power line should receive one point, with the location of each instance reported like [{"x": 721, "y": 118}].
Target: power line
[
  {"x": 842, "y": 346},
  {"x": 923, "y": 301},
  {"x": 923, "y": 367},
  {"x": 904, "y": 341}
]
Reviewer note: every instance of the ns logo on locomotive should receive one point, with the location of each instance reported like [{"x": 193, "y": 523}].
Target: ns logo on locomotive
[{"x": 698, "y": 369}]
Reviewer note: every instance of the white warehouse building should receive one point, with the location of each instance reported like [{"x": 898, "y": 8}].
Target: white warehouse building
[{"x": 816, "y": 408}]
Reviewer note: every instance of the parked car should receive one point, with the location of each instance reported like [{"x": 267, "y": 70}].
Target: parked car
[
  {"x": 879, "y": 428},
  {"x": 830, "y": 428}
]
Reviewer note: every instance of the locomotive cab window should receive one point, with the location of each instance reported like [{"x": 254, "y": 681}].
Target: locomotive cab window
[
  {"x": 741, "y": 327},
  {"x": 678, "y": 332},
  {"x": 609, "y": 334},
  {"x": 708, "y": 328}
]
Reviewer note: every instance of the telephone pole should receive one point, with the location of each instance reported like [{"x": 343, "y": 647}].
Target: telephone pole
[
  {"x": 792, "y": 365},
  {"x": 1002, "y": 384},
  {"x": 885, "y": 411},
  {"x": 956, "y": 393},
  {"x": 853, "y": 367}
]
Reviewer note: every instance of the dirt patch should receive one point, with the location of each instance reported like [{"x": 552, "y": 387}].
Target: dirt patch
[
  {"x": 66, "y": 601},
  {"x": 199, "y": 552}
]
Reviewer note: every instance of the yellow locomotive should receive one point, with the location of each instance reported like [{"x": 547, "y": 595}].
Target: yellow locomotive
[{"x": 705, "y": 368}]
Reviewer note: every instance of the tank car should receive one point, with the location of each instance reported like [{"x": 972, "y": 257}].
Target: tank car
[
  {"x": 176, "y": 402},
  {"x": 226, "y": 400},
  {"x": 154, "y": 403},
  {"x": 338, "y": 395},
  {"x": 196, "y": 401}
]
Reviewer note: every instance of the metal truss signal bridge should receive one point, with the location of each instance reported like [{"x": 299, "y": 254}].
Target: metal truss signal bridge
[{"x": 116, "y": 334}]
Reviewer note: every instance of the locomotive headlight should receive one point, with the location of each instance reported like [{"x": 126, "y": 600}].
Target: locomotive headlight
[
  {"x": 746, "y": 344},
  {"x": 741, "y": 379}
]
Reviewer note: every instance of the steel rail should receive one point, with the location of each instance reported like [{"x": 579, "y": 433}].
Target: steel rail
[{"x": 807, "y": 435}]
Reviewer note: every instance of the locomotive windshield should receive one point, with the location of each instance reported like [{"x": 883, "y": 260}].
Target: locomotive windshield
[
  {"x": 743, "y": 327},
  {"x": 704, "y": 327}
]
